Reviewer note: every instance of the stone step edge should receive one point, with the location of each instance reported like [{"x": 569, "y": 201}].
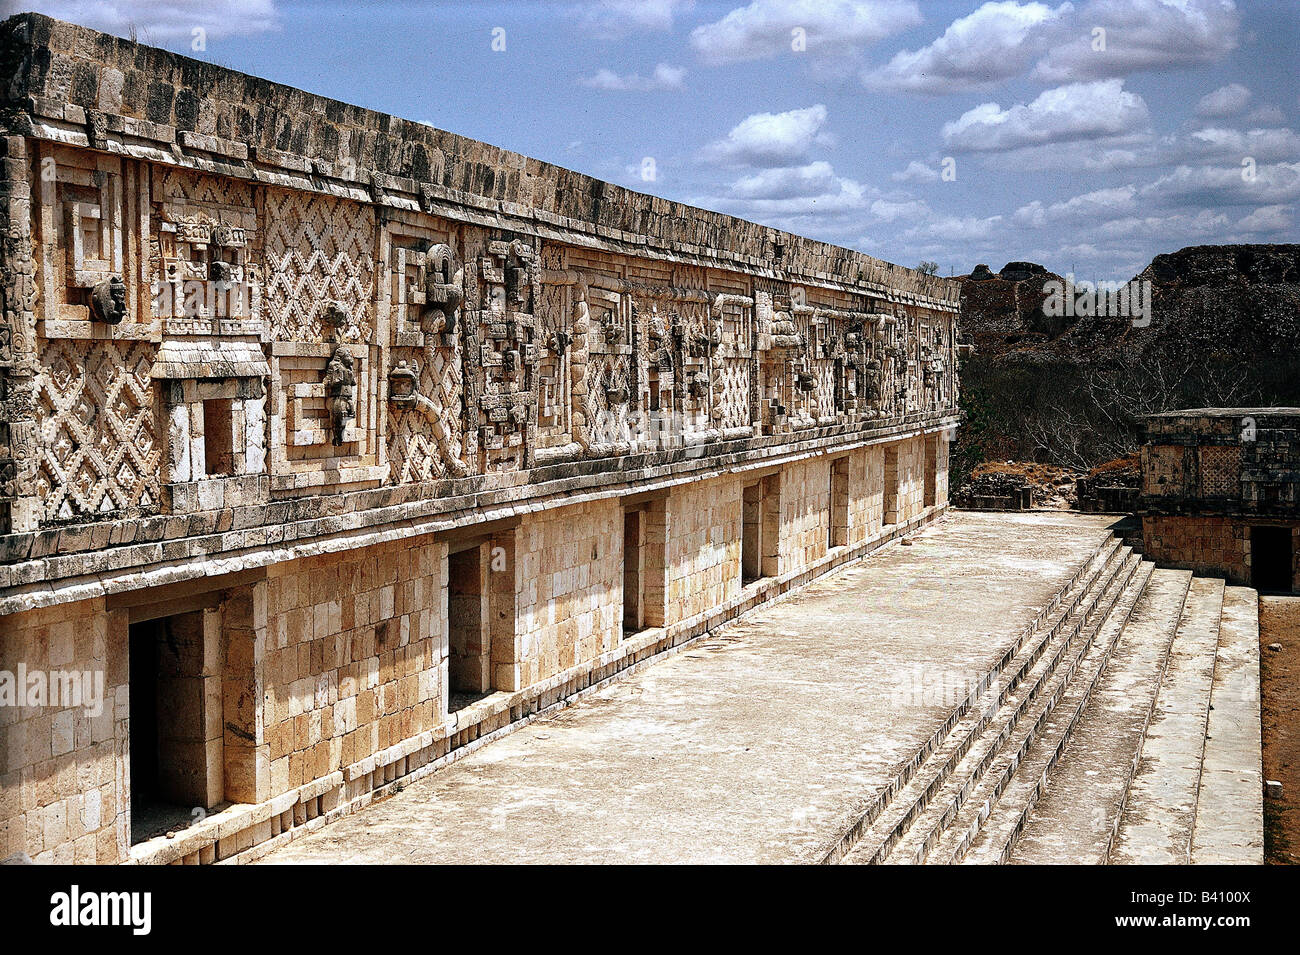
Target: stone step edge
[
  {"x": 1234, "y": 633},
  {"x": 1155, "y": 706},
  {"x": 999, "y": 836},
  {"x": 1011, "y": 751},
  {"x": 1033, "y": 673},
  {"x": 1146, "y": 725},
  {"x": 1081, "y": 584},
  {"x": 1027, "y": 726}
]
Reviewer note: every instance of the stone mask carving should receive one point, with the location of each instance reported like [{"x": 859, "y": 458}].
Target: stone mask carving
[{"x": 108, "y": 300}]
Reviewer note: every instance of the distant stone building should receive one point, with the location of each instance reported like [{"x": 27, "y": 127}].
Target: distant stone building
[
  {"x": 1221, "y": 494},
  {"x": 332, "y": 442}
]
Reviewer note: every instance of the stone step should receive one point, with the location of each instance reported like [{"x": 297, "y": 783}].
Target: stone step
[
  {"x": 1075, "y": 819},
  {"x": 1159, "y": 814},
  {"x": 882, "y": 822},
  {"x": 996, "y": 835},
  {"x": 1080, "y": 669},
  {"x": 1229, "y": 824},
  {"x": 915, "y": 826}
]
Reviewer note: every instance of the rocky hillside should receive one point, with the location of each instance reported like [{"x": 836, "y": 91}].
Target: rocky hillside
[{"x": 1070, "y": 389}]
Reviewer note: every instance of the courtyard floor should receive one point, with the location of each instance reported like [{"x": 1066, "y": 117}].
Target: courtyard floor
[{"x": 754, "y": 744}]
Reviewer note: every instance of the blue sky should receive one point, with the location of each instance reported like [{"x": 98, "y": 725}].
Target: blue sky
[{"x": 959, "y": 132}]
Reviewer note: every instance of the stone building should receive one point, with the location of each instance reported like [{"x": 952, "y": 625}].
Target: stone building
[
  {"x": 1221, "y": 494},
  {"x": 331, "y": 443}
]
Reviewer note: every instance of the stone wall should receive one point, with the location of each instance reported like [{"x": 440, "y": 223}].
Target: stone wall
[
  {"x": 62, "y": 777},
  {"x": 355, "y": 657}
]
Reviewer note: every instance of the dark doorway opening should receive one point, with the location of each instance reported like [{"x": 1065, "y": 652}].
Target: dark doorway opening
[
  {"x": 838, "y": 523},
  {"x": 175, "y": 755},
  {"x": 469, "y": 661},
  {"x": 1271, "y": 559},
  {"x": 633, "y": 571},
  {"x": 751, "y": 543}
]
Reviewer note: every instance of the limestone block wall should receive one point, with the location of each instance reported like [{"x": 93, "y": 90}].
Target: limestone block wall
[
  {"x": 866, "y": 493},
  {"x": 62, "y": 780},
  {"x": 1211, "y": 545},
  {"x": 355, "y": 657},
  {"x": 805, "y": 513},
  {"x": 703, "y": 555},
  {"x": 570, "y": 606},
  {"x": 911, "y": 477}
]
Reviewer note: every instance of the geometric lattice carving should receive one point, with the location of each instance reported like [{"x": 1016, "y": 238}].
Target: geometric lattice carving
[
  {"x": 413, "y": 451},
  {"x": 1220, "y": 471},
  {"x": 95, "y": 413},
  {"x": 733, "y": 402},
  {"x": 318, "y": 250}
]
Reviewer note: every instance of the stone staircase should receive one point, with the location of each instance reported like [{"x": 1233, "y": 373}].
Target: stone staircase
[{"x": 1123, "y": 728}]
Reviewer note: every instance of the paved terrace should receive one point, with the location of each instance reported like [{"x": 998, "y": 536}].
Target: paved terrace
[{"x": 754, "y": 744}]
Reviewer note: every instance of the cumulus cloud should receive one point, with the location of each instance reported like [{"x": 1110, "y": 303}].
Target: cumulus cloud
[
  {"x": 1143, "y": 35},
  {"x": 893, "y": 210},
  {"x": 764, "y": 28},
  {"x": 1263, "y": 145},
  {"x": 164, "y": 22},
  {"x": 1225, "y": 101},
  {"x": 1090, "y": 206},
  {"x": 1076, "y": 111},
  {"x": 1214, "y": 186},
  {"x": 916, "y": 172},
  {"x": 1267, "y": 220},
  {"x": 996, "y": 42},
  {"x": 615, "y": 18},
  {"x": 1267, "y": 115},
  {"x": 955, "y": 228},
  {"x": 664, "y": 77},
  {"x": 771, "y": 139}
]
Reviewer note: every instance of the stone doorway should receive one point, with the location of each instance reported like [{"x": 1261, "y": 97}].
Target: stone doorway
[
  {"x": 1271, "y": 559},
  {"x": 633, "y": 571},
  {"x": 837, "y": 529},
  {"x": 469, "y": 661},
  {"x": 175, "y": 747}
]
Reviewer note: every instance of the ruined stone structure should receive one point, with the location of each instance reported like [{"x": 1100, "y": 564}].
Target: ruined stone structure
[
  {"x": 334, "y": 442},
  {"x": 1221, "y": 494}
]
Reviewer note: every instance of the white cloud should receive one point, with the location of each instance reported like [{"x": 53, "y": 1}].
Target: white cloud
[
  {"x": 1143, "y": 35},
  {"x": 616, "y": 18},
  {"x": 916, "y": 172},
  {"x": 1225, "y": 101},
  {"x": 1213, "y": 186},
  {"x": 1076, "y": 111},
  {"x": 1096, "y": 205},
  {"x": 764, "y": 28},
  {"x": 1267, "y": 220},
  {"x": 955, "y": 228},
  {"x": 893, "y": 210},
  {"x": 771, "y": 139},
  {"x": 664, "y": 77},
  {"x": 996, "y": 42},
  {"x": 1263, "y": 145},
  {"x": 1267, "y": 115},
  {"x": 165, "y": 22}
]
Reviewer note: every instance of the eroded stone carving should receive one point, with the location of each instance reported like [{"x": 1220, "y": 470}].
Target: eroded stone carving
[
  {"x": 108, "y": 300},
  {"x": 340, "y": 393}
]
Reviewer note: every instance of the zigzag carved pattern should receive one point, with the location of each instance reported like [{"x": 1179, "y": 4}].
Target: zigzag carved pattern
[
  {"x": 318, "y": 249},
  {"x": 94, "y": 409}
]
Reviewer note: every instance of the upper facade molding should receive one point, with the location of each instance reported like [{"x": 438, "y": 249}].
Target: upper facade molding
[{"x": 70, "y": 84}]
